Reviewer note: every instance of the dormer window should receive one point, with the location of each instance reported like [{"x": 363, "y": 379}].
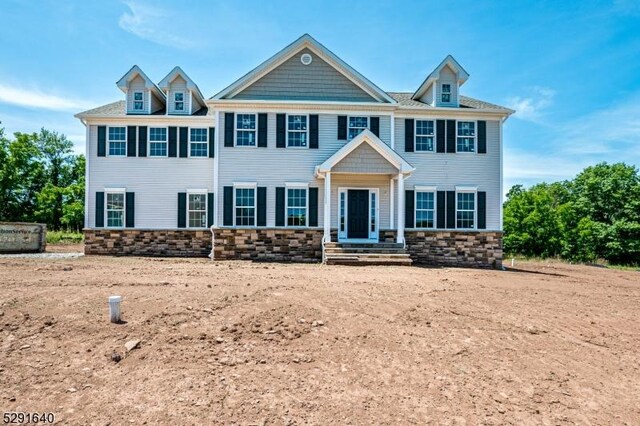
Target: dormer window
[
  {"x": 138, "y": 101},
  {"x": 178, "y": 98},
  {"x": 446, "y": 93}
]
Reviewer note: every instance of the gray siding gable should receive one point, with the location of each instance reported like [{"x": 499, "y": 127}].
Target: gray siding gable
[{"x": 318, "y": 81}]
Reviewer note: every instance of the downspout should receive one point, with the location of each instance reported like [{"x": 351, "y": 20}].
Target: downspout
[{"x": 213, "y": 242}]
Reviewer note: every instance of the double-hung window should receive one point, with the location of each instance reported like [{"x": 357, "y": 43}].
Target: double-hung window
[
  {"x": 466, "y": 136},
  {"x": 297, "y": 131},
  {"x": 115, "y": 209},
  {"x": 198, "y": 142},
  {"x": 197, "y": 210},
  {"x": 246, "y": 130},
  {"x": 138, "y": 101},
  {"x": 297, "y": 207},
  {"x": 245, "y": 206},
  {"x": 356, "y": 126},
  {"x": 446, "y": 93},
  {"x": 117, "y": 141},
  {"x": 178, "y": 101},
  {"x": 465, "y": 210},
  {"x": 157, "y": 142},
  {"x": 425, "y": 135},
  {"x": 425, "y": 209}
]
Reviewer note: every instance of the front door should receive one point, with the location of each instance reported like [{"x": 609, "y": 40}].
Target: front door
[{"x": 358, "y": 213}]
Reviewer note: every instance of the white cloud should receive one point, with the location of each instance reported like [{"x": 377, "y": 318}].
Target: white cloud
[
  {"x": 532, "y": 107},
  {"x": 34, "y": 98},
  {"x": 153, "y": 24}
]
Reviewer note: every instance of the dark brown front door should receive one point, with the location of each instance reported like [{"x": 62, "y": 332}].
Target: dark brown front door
[{"x": 358, "y": 213}]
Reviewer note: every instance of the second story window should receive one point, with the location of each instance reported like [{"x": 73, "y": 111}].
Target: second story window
[
  {"x": 297, "y": 131},
  {"x": 425, "y": 133},
  {"x": 138, "y": 101},
  {"x": 178, "y": 99},
  {"x": 246, "y": 130},
  {"x": 157, "y": 142},
  {"x": 357, "y": 125},
  {"x": 198, "y": 143},
  {"x": 117, "y": 141},
  {"x": 466, "y": 136},
  {"x": 446, "y": 93}
]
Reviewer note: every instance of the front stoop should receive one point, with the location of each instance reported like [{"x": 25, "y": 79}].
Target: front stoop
[{"x": 366, "y": 254}]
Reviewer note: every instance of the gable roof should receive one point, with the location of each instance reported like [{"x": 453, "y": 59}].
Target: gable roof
[
  {"x": 366, "y": 136},
  {"x": 135, "y": 71},
  {"x": 173, "y": 74},
  {"x": 461, "y": 75},
  {"x": 306, "y": 41},
  {"x": 405, "y": 100}
]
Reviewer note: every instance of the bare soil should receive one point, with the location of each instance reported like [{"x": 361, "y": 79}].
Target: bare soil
[{"x": 273, "y": 344}]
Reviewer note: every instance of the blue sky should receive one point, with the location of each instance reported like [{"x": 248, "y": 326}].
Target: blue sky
[{"x": 570, "y": 68}]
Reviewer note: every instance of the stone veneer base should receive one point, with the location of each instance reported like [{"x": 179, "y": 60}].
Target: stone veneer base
[{"x": 442, "y": 248}]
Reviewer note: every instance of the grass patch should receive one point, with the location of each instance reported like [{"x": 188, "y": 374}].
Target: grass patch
[{"x": 64, "y": 237}]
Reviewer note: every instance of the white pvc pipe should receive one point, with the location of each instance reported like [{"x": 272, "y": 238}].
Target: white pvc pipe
[{"x": 114, "y": 308}]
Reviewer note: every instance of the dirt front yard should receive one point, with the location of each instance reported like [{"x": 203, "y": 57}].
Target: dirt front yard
[{"x": 250, "y": 343}]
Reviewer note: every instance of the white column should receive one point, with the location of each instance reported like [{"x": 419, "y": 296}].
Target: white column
[
  {"x": 392, "y": 207},
  {"x": 327, "y": 207},
  {"x": 400, "y": 218}
]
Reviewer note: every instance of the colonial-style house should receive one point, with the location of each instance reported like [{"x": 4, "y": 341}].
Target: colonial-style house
[{"x": 301, "y": 159}]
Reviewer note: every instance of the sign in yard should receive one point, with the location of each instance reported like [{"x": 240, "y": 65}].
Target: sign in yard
[{"x": 16, "y": 237}]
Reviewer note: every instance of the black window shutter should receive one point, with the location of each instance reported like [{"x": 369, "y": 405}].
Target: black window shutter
[
  {"x": 342, "y": 127},
  {"x": 228, "y": 129},
  {"x": 451, "y": 136},
  {"x": 440, "y": 136},
  {"x": 99, "y": 209},
  {"x": 173, "y": 140},
  {"x": 210, "y": 209},
  {"x": 182, "y": 209},
  {"x": 408, "y": 135},
  {"x": 314, "y": 131},
  {"x": 482, "y": 137},
  {"x": 313, "y": 206},
  {"x": 281, "y": 134},
  {"x": 227, "y": 219},
  {"x": 262, "y": 130},
  {"x": 375, "y": 125},
  {"x": 451, "y": 209},
  {"x": 409, "y": 209},
  {"x": 482, "y": 210},
  {"x": 212, "y": 142},
  {"x": 142, "y": 141},
  {"x": 102, "y": 141},
  {"x": 184, "y": 142},
  {"x": 131, "y": 141},
  {"x": 280, "y": 206},
  {"x": 441, "y": 209},
  {"x": 130, "y": 205},
  {"x": 262, "y": 206}
]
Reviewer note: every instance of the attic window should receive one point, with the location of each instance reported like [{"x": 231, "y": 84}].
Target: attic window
[
  {"x": 178, "y": 98},
  {"x": 138, "y": 102},
  {"x": 446, "y": 93},
  {"x": 306, "y": 59}
]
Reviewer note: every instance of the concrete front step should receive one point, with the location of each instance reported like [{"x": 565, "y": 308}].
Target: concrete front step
[
  {"x": 368, "y": 259},
  {"x": 364, "y": 245},
  {"x": 364, "y": 250}
]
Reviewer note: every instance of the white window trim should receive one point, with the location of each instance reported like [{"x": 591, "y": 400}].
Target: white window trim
[
  {"x": 289, "y": 186},
  {"x": 255, "y": 204},
  {"x": 434, "y": 191},
  {"x": 442, "y": 93},
  {"x": 122, "y": 191},
  {"x": 206, "y": 206},
  {"x": 184, "y": 102},
  {"x": 468, "y": 190},
  {"x": 236, "y": 130},
  {"x": 141, "y": 100},
  {"x": 415, "y": 135},
  {"x": 297, "y": 131},
  {"x": 475, "y": 137},
  {"x": 126, "y": 142},
  {"x": 190, "y": 141},
  {"x": 349, "y": 117},
  {"x": 149, "y": 142}
]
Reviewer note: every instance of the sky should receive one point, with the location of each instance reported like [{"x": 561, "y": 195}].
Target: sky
[{"x": 571, "y": 69}]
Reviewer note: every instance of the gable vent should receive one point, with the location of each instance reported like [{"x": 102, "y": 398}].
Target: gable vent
[{"x": 306, "y": 59}]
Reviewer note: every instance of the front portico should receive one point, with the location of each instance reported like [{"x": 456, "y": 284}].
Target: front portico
[{"x": 360, "y": 184}]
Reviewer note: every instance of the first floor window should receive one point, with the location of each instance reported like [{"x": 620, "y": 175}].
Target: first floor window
[
  {"x": 157, "y": 142},
  {"x": 245, "y": 206},
  {"x": 425, "y": 134},
  {"x": 425, "y": 209},
  {"x": 297, "y": 130},
  {"x": 446, "y": 92},
  {"x": 198, "y": 141},
  {"x": 115, "y": 209},
  {"x": 138, "y": 101},
  {"x": 465, "y": 210},
  {"x": 246, "y": 130},
  {"x": 117, "y": 141},
  {"x": 197, "y": 210},
  {"x": 357, "y": 125},
  {"x": 296, "y": 206},
  {"x": 178, "y": 99},
  {"x": 466, "y": 136}
]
